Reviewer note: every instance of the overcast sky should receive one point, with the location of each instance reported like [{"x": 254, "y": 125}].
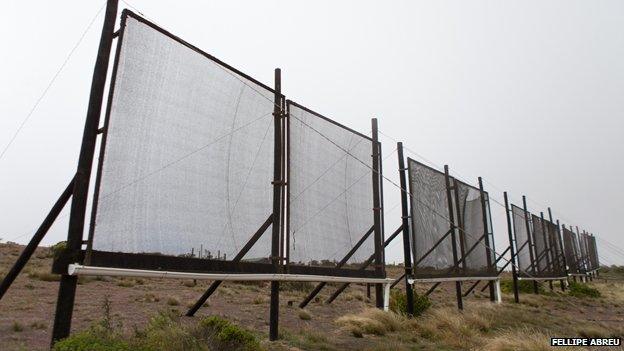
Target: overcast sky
[{"x": 527, "y": 94}]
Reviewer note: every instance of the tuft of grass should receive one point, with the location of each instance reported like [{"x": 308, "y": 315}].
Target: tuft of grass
[
  {"x": 44, "y": 276},
  {"x": 523, "y": 339},
  {"x": 126, "y": 283},
  {"x": 40, "y": 325},
  {"x": 304, "y": 315},
  {"x": 17, "y": 327},
  {"x": 172, "y": 301},
  {"x": 258, "y": 300},
  {"x": 398, "y": 303},
  {"x": 583, "y": 290},
  {"x": 372, "y": 321}
]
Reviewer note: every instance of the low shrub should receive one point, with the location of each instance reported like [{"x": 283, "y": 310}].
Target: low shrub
[
  {"x": 524, "y": 286},
  {"x": 582, "y": 290},
  {"x": 223, "y": 335},
  {"x": 398, "y": 303},
  {"x": 304, "y": 315}
]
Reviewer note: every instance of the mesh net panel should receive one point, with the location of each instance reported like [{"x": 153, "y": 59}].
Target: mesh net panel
[
  {"x": 523, "y": 244},
  {"x": 579, "y": 254},
  {"x": 430, "y": 215},
  {"x": 555, "y": 248},
  {"x": 542, "y": 255},
  {"x": 331, "y": 191},
  {"x": 189, "y": 153},
  {"x": 593, "y": 253},
  {"x": 569, "y": 250},
  {"x": 583, "y": 245},
  {"x": 471, "y": 218}
]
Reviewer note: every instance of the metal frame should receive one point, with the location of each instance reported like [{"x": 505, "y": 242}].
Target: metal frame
[{"x": 457, "y": 273}]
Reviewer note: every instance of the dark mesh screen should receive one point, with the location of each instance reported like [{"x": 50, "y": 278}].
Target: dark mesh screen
[
  {"x": 429, "y": 205},
  {"x": 188, "y": 162},
  {"x": 571, "y": 255},
  {"x": 523, "y": 244},
  {"x": 542, "y": 255},
  {"x": 555, "y": 248},
  {"x": 579, "y": 255},
  {"x": 331, "y": 190},
  {"x": 593, "y": 253},
  {"x": 472, "y": 219},
  {"x": 584, "y": 255}
]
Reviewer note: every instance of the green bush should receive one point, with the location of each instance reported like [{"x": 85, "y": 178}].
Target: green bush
[
  {"x": 58, "y": 248},
  {"x": 91, "y": 340},
  {"x": 524, "y": 286},
  {"x": 583, "y": 290},
  {"x": 398, "y": 303},
  {"x": 224, "y": 335}
]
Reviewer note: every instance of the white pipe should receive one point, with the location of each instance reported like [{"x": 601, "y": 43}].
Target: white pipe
[
  {"x": 76, "y": 269},
  {"x": 540, "y": 278},
  {"x": 448, "y": 279}
]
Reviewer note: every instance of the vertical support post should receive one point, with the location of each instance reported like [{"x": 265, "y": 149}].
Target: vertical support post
[
  {"x": 407, "y": 256},
  {"x": 386, "y": 301},
  {"x": 67, "y": 288},
  {"x": 486, "y": 234},
  {"x": 458, "y": 289},
  {"x": 532, "y": 252},
  {"x": 379, "y": 262},
  {"x": 512, "y": 249},
  {"x": 277, "y": 187},
  {"x": 499, "y": 296}
]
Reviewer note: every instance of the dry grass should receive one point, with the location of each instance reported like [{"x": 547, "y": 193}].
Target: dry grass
[
  {"x": 372, "y": 321},
  {"x": 524, "y": 339},
  {"x": 304, "y": 315}
]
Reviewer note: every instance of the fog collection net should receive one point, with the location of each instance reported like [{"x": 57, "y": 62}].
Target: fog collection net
[
  {"x": 432, "y": 242},
  {"x": 188, "y": 159},
  {"x": 524, "y": 254},
  {"x": 543, "y": 257},
  {"x": 331, "y": 190},
  {"x": 558, "y": 265},
  {"x": 570, "y": 250},
  {"x": 584, "y": 254},
  {"x": 475, "y": 226}
]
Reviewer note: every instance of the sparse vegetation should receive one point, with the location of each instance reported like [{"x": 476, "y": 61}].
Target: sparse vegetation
[
  {"x": 583, "y": 290},
  {"x": 398, "y": 303},
  {"x": 173, "y": 301},
  {"x": 17, "y": 327},
  {"x": 164, "y": 332},
  {"x": 304, "y": 315},
  {"x": 45, "y": 276}
]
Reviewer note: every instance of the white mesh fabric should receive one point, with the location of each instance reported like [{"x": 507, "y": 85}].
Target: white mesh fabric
[
  {"x": 331, "y": 191},
  {"x": 430, "y": 215},
  {"x": 523, "y": 245},
  {"x": 472, "y": 219},
  {"x": 189, "y": 153}
]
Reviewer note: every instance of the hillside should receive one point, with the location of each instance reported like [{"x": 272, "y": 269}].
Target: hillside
[{"x": 126, "y": 306}]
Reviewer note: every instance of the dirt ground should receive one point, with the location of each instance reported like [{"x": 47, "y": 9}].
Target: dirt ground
[{"x": 27, "y": 310}]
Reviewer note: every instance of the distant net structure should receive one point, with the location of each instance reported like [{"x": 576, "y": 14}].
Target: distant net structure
[
  {"x": 188, "y": 153},
  {"x": 440, "y": 250},
  {"x": 592, "y": 253},
  {"x": 571, "y": 251},
  {"x": 524, "y": 249},
  {"x": 330, "y": 172}
]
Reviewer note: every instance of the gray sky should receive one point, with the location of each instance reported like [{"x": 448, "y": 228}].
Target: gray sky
[{"x": 527, "y": 94}]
